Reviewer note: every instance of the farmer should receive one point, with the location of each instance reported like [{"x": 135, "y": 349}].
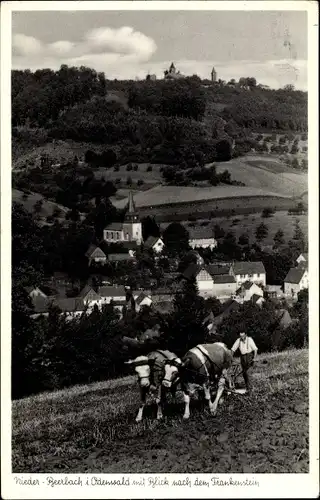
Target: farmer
[{"x": 248, "y": 354}]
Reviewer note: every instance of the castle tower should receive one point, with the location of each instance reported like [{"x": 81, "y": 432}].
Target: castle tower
[
  {"x": 132, "y": 228},
  {"x": 213, "y": 75},
  {"x": 172, "y": 68}
]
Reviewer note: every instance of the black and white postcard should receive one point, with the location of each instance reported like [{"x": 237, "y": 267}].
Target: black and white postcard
[{"x": 159, "y": 237}]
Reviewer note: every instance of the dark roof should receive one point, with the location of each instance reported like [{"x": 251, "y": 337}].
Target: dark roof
[
  {"x": 140, "y": 298},
  {"x": 112, "y": 291},
  {"x": 218, "y": 269},
  {"x": 248, "y": 268},
  {"x": 40, "y": 304},
  {"x": 70, "y": 304},
  {"x": 114, "y": 226},
  {"x": 92, "y": 249},
  {"x": 88, "y": 289},
  {"x": 295, "y": 275},
  {"x": 224, "y": 278},
  {"x": 152, "y": 240},
  {"x": 129, "y": 245},
  {"x": 255, "y": 297},
  {"x": 119, "y": 257},
  {"x": 229, "y": 306}
]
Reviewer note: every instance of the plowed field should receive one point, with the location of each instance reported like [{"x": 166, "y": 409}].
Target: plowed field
[{"x": 92, "y": 428}]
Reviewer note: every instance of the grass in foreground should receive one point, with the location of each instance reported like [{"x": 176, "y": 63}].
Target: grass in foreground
[{"x": 92, "y": 428}]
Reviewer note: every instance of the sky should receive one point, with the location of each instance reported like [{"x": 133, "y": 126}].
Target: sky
[{"x": 270, "y": 46}]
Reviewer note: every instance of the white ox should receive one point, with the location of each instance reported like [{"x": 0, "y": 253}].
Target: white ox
[
  {"x": 201, "y": 365},
  {"x": 150, "y": 371}
]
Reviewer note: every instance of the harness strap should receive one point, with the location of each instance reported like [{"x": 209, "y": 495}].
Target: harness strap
[{"x": 208, "y": 357}]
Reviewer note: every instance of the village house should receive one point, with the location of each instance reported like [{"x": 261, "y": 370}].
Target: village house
[
  {"x": 115, "y": 293},
  {"x": 257, "y": 300},
  {"x": 203, "y": 243},
  {"x": 247, "y": 291},
  {"x": 129, "y": 230},
  {"x": 141, "y": 300},
  {"x": 34, "y": 291},
  {"x": 41, "y": 306},
  {"x": 249, "y": 271},
  {"x": 90, "y": 297},
  {"x": 212, "y": 280},
  {"x": 122, "y": 257},
  {"x": 96, "y": 255},
  {"x": 296, "y": 280},
  {"x": 302, "y": 260},
  {"x": 154, "y": 243},
  {"x": 273, "y": 292}
]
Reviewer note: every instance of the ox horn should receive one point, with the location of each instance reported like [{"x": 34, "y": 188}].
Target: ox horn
[{"x": 130, "y": 362}]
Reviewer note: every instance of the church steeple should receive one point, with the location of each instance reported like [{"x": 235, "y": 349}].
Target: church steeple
[{"x": 131, "y": 214}]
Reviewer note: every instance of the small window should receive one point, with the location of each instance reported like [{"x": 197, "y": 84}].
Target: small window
[
  {"x": 112, "y": 235},
  {"x": 118, "y": 235},
  {"x": 258, "y": 275}
]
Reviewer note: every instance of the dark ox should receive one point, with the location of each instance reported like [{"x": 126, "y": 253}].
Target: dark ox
[
  {"x": 150, "y": 371},
  {"x": 201, "y": 365}
]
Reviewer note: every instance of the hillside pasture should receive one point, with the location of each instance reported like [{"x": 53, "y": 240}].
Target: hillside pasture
[
  {"x": 266, "y": 172},
  {"x": 247, "y": 224},
  {"x": 92, "y": 429},
  {"x": 31, "y": 198}
]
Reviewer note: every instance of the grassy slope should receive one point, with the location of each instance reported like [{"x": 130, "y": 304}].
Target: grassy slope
[
  {"x": 247, "y": 224},
  {"x": 266, "y": 172},
  {"x": 47, "y": 208},
  {"x": 92, "y": 429}
]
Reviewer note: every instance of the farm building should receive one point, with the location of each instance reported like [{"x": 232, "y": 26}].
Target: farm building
[
  {"x": 112, "y": 293},
  {"x": 212, "y": 280},
  {"x": 273, "y": 292},
  {"x": 34, "y": 291},
  {"x": 203, "y": 243},
  {"x": 142, "y": 300},
  {"x": 296, "y": 280},
  {"x": 121, "y": 257},
  {"x": 247, "y": 291},
  {"x": 249, "y": 271},
  {"x": 154, "y": 243},
  {"x": 302, "y": 260},
  {"x": 89, "y": 296},
  {"x": 96, "y": 255}
]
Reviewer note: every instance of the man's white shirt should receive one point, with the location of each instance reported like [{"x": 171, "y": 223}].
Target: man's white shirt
[{"x": 245, "y": 346}]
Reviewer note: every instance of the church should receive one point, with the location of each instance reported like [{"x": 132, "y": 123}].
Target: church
[{"x": 129, "y": 230}]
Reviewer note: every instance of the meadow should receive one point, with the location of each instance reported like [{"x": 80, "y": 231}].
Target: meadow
[
  {"x": 47, "y": 208},
  {"x": 92, "y": 428},
  {"x": 247, "y": 224}
]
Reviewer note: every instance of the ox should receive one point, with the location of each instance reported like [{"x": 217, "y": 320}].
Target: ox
[
  {"x": 150, "y": 371},
  {"x": 201, "y": 365}
]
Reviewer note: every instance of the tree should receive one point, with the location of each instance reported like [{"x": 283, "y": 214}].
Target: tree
[
  {"x": 38, "y": 206},
  {"x": 243, "y": 239},
  {"x": 149, "y": 227},
  {"x": 185, "y": 325},
  {"x": 261, "y": 232},
  {"x": 267, "y": 212},
  {"x": 278, "y": 238},
  {"x": 298, "y": 236},
  {"x": 176, "y": 238},
  {"x": 224, "y": 150}
]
